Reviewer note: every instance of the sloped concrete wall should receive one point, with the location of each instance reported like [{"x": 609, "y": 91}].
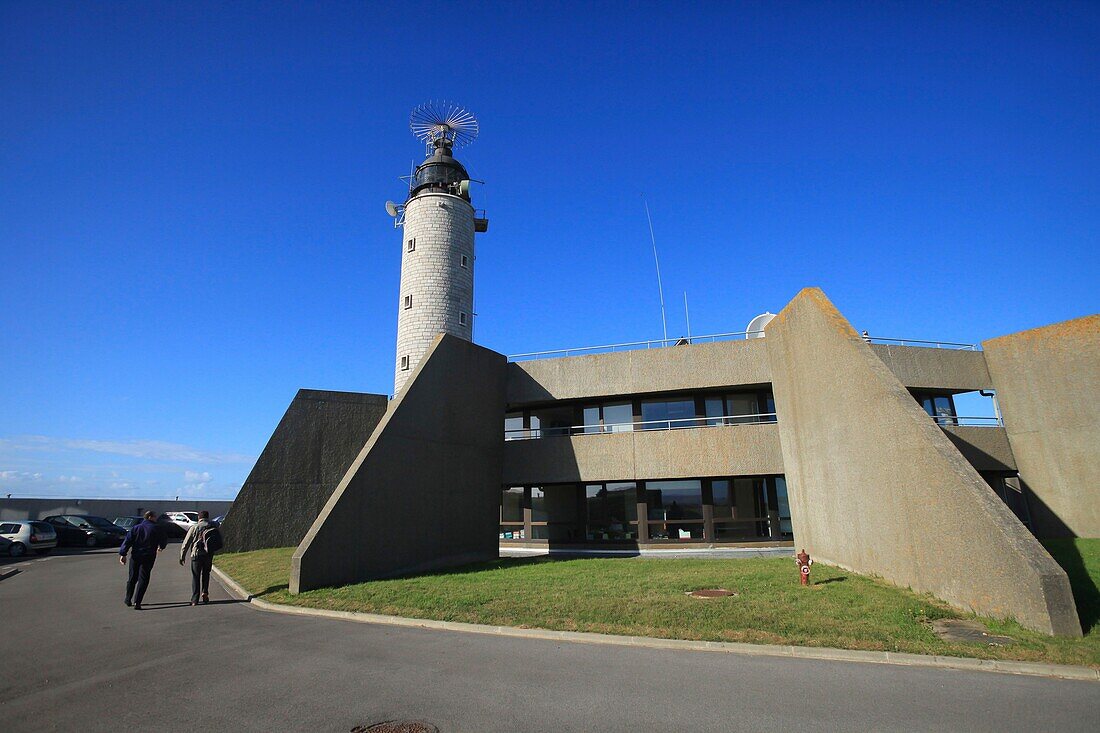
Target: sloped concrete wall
[
  {"x": 919, "y": 367},
  {"x": 425, "y": 490},
  {"x": 876, "y": 486},
  {"x": 319, "y": 436},
  {"x": 1048, "y": 386}
]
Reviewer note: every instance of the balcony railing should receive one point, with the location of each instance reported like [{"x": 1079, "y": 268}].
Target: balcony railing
[
  {"x": 969, "y": 420},
  {"x": 629, "y": 427}
]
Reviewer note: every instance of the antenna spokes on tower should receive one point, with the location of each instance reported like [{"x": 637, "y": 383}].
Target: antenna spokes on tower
[{"x": 443, "y": 124}]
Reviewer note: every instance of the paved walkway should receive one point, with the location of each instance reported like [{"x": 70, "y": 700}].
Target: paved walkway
[{"x": 77, "y": 659}]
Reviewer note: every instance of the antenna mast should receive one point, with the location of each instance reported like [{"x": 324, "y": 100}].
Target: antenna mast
[{"x": 660, "y": 290}]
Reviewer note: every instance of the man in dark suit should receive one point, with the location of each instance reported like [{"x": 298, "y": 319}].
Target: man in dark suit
[{"x": 144, "y": 541}]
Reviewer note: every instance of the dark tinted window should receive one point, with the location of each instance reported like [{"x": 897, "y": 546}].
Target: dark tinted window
[{"x": 9, "y": 528}]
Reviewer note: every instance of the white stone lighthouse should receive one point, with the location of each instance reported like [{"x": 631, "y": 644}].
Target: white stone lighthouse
[{"x": 437, "y": 246}]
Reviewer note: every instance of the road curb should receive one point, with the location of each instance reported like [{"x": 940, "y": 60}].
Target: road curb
[
  {"x": 966, "y": 664},
  {"x": 5, "y": 574}
]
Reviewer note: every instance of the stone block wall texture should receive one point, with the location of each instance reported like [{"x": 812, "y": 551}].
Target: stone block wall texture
[
  {"x": 1048, "y": 388},
  {"x": 424, "y": 493},
  {"x": 877, "y": 487},
  {"x": 441, "y": 229},
  {"x": 319, "y": 436}
]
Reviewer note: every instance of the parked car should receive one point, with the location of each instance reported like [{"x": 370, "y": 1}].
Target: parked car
[
  {"x": 183, "y": 519},
  {"x": 220, "y": 518},
  {"x": 38, "y": 537},
  {"x": 172, "y": 529},
  {"x": 127, "y": 522},
  {"x": 85, "y": 530}
]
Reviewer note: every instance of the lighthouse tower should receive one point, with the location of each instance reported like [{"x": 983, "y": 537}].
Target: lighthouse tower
[{"x": 437, "y": 246}]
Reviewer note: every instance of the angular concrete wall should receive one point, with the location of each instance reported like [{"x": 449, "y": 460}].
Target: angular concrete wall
[
  {"x": 319, "y": 436},
  {"x": 732, "y": 450},
  {"x": 1048, "y": 388},
  {"x": 876, "y": 486},
  {"x": 986, "y": 448},
  {"x": 425, "y": 490}
]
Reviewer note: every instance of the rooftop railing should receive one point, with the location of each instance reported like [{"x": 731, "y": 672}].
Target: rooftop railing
[
  {"x": 710, "y": 338},
  {"x": 926, "y": 344},
  {"x": 629, "y": 427},
  {"x": 969, "y": 421}
]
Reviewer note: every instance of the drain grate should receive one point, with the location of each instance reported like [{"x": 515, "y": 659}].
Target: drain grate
[{"x": 396, "y": 726}]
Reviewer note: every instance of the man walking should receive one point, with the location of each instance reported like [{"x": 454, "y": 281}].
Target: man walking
[
  {"x": 143, "y": 542},
  {"x": 202, "y": 541}
]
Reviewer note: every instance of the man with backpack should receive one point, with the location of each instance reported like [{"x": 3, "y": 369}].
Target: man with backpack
[{"x": 201, "y": 542}]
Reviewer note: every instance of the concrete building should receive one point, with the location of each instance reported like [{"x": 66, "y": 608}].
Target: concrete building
[{"x": 811, "y": 435}]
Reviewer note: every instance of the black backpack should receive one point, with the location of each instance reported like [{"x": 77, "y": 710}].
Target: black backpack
[{"x": 210, "y": 540}]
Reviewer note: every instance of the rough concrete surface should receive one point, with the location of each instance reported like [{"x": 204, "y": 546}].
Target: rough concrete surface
[
  {"x": 98, "y": 666},
  {"x": 425, "y": 490},
  {"x": 876, "y": 486},
  {"x": 730, "y": 450},
  {"x": 918, "y": 367},
  {"x": 1048, "y": 386},
  {"x": 986, "y": 448},
  {"x": 317, "y": 439}
]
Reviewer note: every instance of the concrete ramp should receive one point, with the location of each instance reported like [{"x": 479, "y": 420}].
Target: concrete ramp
[
  {"x": 875, "y": 485},
  {"x": 424, "y": 492}
]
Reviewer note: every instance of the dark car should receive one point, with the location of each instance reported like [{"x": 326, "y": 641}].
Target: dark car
[
  {"x": 173, "y": 530},
  {"x": 127, "y": 522},
  {"x": 85, "y": 531}
]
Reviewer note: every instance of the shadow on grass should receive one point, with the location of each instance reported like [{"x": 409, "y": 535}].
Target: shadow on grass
[
  {"x": 1085, "y": 592},
  {"x": 829, "y": 580}
]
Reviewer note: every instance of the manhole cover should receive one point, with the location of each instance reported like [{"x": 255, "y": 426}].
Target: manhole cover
[
  {"x": 711, "y": 593},
  {"x": 396, "y": 726},
  {"x": 956, "y": 629}
]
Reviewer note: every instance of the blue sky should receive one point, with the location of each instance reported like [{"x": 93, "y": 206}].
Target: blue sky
[{"x": 191, "y": 195}]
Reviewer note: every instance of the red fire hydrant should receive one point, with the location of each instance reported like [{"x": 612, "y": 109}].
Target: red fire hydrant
[{"x": 804, "y": 562}]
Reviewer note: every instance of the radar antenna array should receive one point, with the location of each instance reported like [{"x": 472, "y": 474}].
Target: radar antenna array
[{"x": 446, "y": 121}]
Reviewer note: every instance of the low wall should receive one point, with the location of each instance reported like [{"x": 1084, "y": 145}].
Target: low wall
[
  {"x": 876, "y": 486},
  {"x": 19, "y": 509},
  {"x": 318, "y": 437},
  {"x": 424, "y": 493}
]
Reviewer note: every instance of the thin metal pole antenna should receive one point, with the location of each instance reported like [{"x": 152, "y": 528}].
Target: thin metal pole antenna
[
  {"x": 687, "y": 315},
  {"x": 660, "y": 289}
]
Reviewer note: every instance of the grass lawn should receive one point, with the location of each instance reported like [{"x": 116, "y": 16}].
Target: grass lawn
[{"x": 646, "y": 597}]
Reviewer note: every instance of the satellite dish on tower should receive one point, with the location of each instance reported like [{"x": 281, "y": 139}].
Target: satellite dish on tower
[
  {"x": 755, "y": 329},
  {"x": 443, "y": 124},
  {"x": 391, "y": 209}
]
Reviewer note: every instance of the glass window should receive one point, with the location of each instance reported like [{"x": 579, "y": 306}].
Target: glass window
[
  {"x": 592, "y": 419},
  {"x": 618, "y": 418},
  {"x": 611, "y": 508},
  {"x": 783, "y": 505},
  {"x": 720, "y": 496},
  {"x": 511, "y": 504},
  {"x": 513, "y": 426},
  {"x": 539, "y": 511},
  {"x": 742, "y": 404},
  {"x": 668, "y": 414},
  {"x": 769, "y": 407},
  {"x": 715, "y": 408},
  {"x": 511, "y": 533},
  {"x": 536, "y": 425},
  {"x": 670, "y": 500},
  {"x": 9, "y": 528}
]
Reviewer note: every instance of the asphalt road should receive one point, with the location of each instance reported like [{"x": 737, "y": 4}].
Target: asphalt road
[{"x": 72, "y": 657}]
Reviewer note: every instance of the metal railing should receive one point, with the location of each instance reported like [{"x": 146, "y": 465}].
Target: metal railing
[
  {"x": 926, "y": 344},
  {"x": 630, "y": 427},
  {"x": 968, "y": 420},
  {"x": 633, "y": 346}
]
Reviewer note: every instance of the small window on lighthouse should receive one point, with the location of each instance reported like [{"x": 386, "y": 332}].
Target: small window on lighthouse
[
  {"x": 408, "y": 302},
  {"x": 404, "y": 363},
  {"x": 462, "y": 319},
  {"x": 411, "y": 245},
  {"x": 465, "y": 261}
]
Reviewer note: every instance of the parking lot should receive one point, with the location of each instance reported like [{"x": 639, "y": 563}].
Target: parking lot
[{"x": 77, "y": 659}]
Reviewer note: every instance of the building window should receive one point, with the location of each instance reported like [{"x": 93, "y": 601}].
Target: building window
[
  {"x": 668, "y": 414},
  {"x": 675, "y": 509},
  {"x": 465, "y": 261},
  {"x": 462, "y": 319},
  {"x": 405, "y": 363},
  {"x": 611, "y": 511},
  {"x": 410, "y": 245},
  {"x": 408, "y": 302}
]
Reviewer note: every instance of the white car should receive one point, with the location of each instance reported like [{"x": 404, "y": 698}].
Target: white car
[
  {"x": 183, "y": 519},
  {"x": 28, "y": 535}
]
